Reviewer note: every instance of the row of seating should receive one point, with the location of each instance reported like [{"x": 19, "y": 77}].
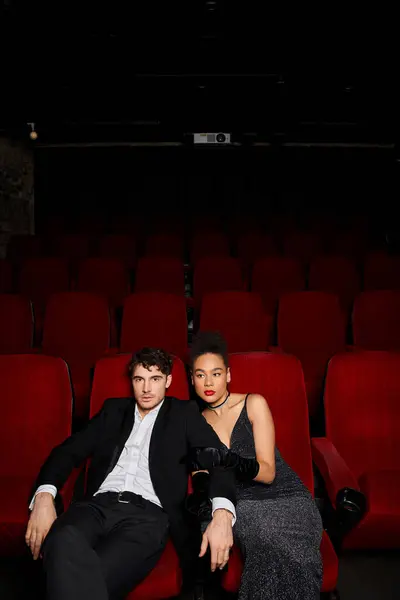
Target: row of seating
[
  {"x": 361, "y": 449},
  {"x": 79, "y": 327},
  {"x": 248, "y": 246},
  {"x": 39, "y": 277}
]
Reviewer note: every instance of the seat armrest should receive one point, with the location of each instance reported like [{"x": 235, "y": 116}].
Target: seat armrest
[
  {"x": 334, "y": 470},
  {"x": 343, "y": 490}
]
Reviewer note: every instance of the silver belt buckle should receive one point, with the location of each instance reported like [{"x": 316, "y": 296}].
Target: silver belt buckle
[{"x": 119, "y": 498}]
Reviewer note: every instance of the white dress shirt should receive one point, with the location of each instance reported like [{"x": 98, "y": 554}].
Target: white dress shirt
[{"x": 131, "y": 473}]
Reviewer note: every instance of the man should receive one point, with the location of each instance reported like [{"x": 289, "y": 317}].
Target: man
[{"x": 103, "y": 546}]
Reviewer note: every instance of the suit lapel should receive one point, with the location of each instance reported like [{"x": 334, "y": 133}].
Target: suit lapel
[
  {"x": 157, "y": 434},
  {"x": 125, "y": 431}
]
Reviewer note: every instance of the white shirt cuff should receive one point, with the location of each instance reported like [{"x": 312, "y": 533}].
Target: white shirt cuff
[
  {"x": 224, "y": 503},
  {"x": 51, "y": 489}
]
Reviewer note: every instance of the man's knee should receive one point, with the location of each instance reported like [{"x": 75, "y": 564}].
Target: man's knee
[{"x": 62, "y": 542}]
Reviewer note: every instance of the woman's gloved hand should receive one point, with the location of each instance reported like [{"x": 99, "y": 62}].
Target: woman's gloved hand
[
  {"x": 198, "y": 503},
  {"x": 210, "y": 458}
]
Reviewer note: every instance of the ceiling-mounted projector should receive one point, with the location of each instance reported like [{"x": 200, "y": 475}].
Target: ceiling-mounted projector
[{"x": 212, "y": 138}]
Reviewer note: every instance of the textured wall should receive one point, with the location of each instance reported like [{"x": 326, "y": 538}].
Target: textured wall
[{"x": 16, "y": 191}]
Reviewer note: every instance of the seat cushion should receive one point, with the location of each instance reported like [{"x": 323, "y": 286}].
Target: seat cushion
[
  {"x": 380, "y": 527},
  {"x": 164, "y": 581},
  {"x": 14, "y": 515}
]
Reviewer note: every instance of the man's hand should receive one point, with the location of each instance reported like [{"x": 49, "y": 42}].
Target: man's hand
[
  {"x": 220, "y": 538},
  {"x": 42, "y": 518}
]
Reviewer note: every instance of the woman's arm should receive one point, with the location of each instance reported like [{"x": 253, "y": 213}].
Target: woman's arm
[{"x": 264, "y": 436}]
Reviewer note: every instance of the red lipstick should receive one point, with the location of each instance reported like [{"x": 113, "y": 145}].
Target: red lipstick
[{"x": 209, "y": 393}]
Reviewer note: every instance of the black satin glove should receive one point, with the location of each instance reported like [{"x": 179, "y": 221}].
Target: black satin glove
[
  {"x": 198, "y": 503},
  {"x": 245, "y": 469}
]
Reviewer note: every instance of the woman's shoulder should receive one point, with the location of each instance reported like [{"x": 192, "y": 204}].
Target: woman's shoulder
[{"x": 256, "y": 403}]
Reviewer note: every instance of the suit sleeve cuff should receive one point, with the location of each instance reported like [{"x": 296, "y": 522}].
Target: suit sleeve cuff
[
  {"x": 226, "y": 504},
  {"x": 51, "y": 489}
]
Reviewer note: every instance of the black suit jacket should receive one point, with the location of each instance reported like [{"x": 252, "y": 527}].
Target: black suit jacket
[{"x": 179, "y": 426}]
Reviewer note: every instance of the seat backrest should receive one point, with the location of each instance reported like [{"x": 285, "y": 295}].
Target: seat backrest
[
  {"x": 311, "y": 321},
  {"x": 21, "y": 247},
  {"x": 279, "y": 378},
  {"x": 254, "y": 245},
  {"x": 274, "y": 276},
  {"x": 362, "y": 409},
  {"x": 41, "y": 277},
  {"x": 165, "y": 244},
  {"x": 376, "y": 323},
  {"x": 154, "y": 319},
  {"x": 239, "y": 317},
  {"x": 73, "y": 246},
  {"x": 352, "y": 243},
  {"x": 382, "y": 272},
  {"x": 16, "y": 324},
  {"x": 106, "y": 276},
  {"x": 6, "y": 276},
  {"x": 122, "y": 247},
  {"x": 301, "y": 245},
  {"x": 208, "y": 244},
  {"x": 36, "y": 412},
  {"x": 111, "y": 380},
  {"x": 335, "y": 275},
  {"x": 217, "y": 274},
  {"x": 160, "y": 274},
  {"x": 76, "y": 324}
]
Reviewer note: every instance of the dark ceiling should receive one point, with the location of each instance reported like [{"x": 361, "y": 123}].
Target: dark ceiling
[{"x": 155, "y": 71}]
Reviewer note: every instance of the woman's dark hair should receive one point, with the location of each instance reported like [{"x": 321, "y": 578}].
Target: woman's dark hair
[
  {"x": 209, "y": 342},
  {"x": 151, "y": 357}
]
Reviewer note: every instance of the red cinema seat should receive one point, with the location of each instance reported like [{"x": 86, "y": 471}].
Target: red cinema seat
[
  {"x": 154, "y": 319},
  {"x": 120, "y": 247},
  {"x": 38, "y": 279},
  {"x": 22, "y": 247},
  {"x": 275, "y": 276},
  {"x": 77, "y": 327},
  {"x": 335, "y": 275},
  {"x": 74, "y": 247},
  {"x": 6, "y": 276},
  {"x": 382, "y": 272},
  {"x": 36, "y": 415},
  {"x": 111, "y": 380},
  {"x": 254, "y": 245},
  {"x": 376, "y": 323},
  {"x": 208, "y": 243},
  {"x": 361, "y": 449},
  {"x": 165, "y": 244},
  {"x": 301, "y": 245},
  {"x": 160, "y": 274},
  {"x": 107, "y": 277},
  {"x": 16, "y": 324},
  {"x": 217, "y": 274},
  {"x": 239, "y": 317},
  {"x": 311, "y": 326},
  {"x": 280, "y": 379}
]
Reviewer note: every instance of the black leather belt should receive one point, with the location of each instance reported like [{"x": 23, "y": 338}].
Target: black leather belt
[{"x": 127, "y": 498}]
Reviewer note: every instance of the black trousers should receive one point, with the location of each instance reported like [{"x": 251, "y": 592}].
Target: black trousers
[{"x": 101, "y": 548}]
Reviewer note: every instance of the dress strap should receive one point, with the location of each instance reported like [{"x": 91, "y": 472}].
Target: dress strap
[{"x": 245, "y": 400}]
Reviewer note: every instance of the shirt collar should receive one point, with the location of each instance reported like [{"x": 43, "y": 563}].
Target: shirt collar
[{"x": 154, "y": 412}]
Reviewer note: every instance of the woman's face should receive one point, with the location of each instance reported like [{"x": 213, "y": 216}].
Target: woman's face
[{"x": 210, "y": 377}]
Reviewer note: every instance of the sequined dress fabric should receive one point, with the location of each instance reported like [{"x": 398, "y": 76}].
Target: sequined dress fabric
[{"x": 278, "y": 530}]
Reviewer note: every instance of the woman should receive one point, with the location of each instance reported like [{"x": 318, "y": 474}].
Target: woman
[{"x": 278, "y": 525}]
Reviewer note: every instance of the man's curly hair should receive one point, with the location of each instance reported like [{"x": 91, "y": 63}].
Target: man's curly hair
[{"x": 151, "y": 357}]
